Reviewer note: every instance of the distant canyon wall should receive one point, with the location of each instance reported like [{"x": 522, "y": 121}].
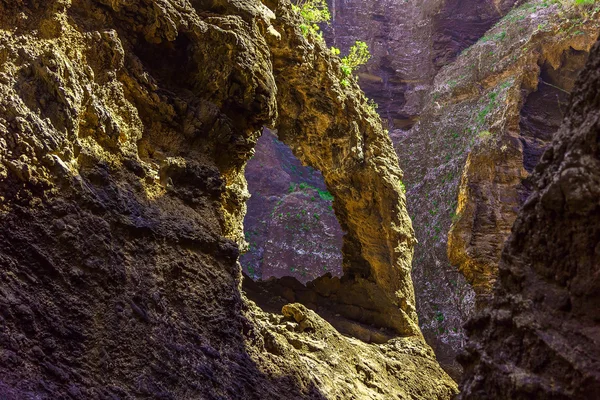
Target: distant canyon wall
[{"x": 489, "y": 117}]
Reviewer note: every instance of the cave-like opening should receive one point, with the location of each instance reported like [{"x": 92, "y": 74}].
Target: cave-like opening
[
  {"x": 294, "y": 240},
  {"x": 290, "y": 225}
]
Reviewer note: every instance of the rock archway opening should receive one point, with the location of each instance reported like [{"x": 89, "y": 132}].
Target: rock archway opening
[
  {"x": 331, "y": 127},
  {"x": 290, "y": 225},
  {"x": 297, "y": 248}
]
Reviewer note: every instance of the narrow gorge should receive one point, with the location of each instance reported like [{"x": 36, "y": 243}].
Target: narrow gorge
[{"x": 205, "y": 199}]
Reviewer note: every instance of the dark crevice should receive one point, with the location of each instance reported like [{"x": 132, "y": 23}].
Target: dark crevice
[{"x": 544, "y": 109}]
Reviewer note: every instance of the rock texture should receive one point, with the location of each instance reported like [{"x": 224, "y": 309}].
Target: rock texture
[
  {"x": 540, "y": 336},
  {"x": 341, "y": 135},
  {"x": 489, "y": 116},
  {"x": 124, "y": 130},
  {"x": 290, "y": 224},
  {"x": 409, "y": 42}
]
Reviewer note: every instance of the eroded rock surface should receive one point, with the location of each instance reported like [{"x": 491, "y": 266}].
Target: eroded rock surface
[
  {"x": 410, "y": 40},
  {"x": 488, "y": 118},
  {"x": 124, "y": 129},
  {"x": 539, "y": 338}
]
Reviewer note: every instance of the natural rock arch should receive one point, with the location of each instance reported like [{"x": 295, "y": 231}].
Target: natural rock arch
[
  {"x": 124, "y": 130},
  {"x": 336, "y": 131}
]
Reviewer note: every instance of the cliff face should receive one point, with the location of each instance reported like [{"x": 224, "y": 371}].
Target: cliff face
[
  {"x": 125, "y": 127},
  {"x": 538, "y": 339},
  {"x": 490, "y": 115},
  {"x": 409, "y": 42}
]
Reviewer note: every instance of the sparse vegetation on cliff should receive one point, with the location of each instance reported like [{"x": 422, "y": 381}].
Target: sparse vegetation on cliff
[{"x": 314, "y": 12}]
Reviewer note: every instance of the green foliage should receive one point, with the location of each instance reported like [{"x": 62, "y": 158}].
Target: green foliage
[
  {"x": 373, "y": 104},
  {"x": 481, "y": 116},
  {"x": 439, "y": 316},
  {"x": 484, "y": 134},
  {"x": 313, "y": 12},
  {"x": 359, "y": 55},
  {"x": 585, "y": 2},
  {"x": 325, "y": 195}
]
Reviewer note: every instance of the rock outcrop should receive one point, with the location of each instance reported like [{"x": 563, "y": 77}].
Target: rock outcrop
[
  {"x": 467, "y": 161},
  {"x": 539, "y": 338},
  {"x": 409, "y": 42},
  {"x": 124, "y": 130}
]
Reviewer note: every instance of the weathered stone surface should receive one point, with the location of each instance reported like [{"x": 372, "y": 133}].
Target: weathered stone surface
[
  {"x": 124, "y": 130},
  {"x": 467, "y": 159},
  {"x": 539, "y": 338},
  {"x": 341, "y": 135},
  {"x": 410, "y": 40},
  {"x": 290, "y": 225}
]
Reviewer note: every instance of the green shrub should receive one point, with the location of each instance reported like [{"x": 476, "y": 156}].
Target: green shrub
[
  {"x": 313, "y": 12},
  {"x": 358, "y": 55},
  {"x": 585, "y": 2},
  {"x": 325, "y": 195}
]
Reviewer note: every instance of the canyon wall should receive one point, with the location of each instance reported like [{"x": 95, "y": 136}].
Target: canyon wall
[
  {"x": 538, "y": 338},
  {"x": 488, "y": 118},
  {"x": 290, "y": 225},
  {"x": 125, "y": 127},
  {"x": 409, "y": 42}
]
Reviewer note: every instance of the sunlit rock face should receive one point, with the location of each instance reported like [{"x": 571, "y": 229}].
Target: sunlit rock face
[
  {"x": 409, "y": 42},
  {"x": 538, "y": 337},
  {"x": 125, "y": 127},
  {"x": 490, "y": 115}
]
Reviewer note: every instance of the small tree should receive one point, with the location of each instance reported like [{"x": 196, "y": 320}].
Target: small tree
[{"x": 358, "y": 55}]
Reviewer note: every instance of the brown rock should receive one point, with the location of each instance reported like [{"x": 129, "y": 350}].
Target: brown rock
[
  {"x": 124, "y": 130},
  {"x": 538, "y": 339},
  {"x": 489, "y": 116}
]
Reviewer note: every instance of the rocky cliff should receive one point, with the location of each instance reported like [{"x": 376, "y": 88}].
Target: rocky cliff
[
  {"x": 409, "y": 42},
  {"x": 539, "y": 337},
  {"x": 488, "y": 119},
  {"x": 125, "y": 127}
]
